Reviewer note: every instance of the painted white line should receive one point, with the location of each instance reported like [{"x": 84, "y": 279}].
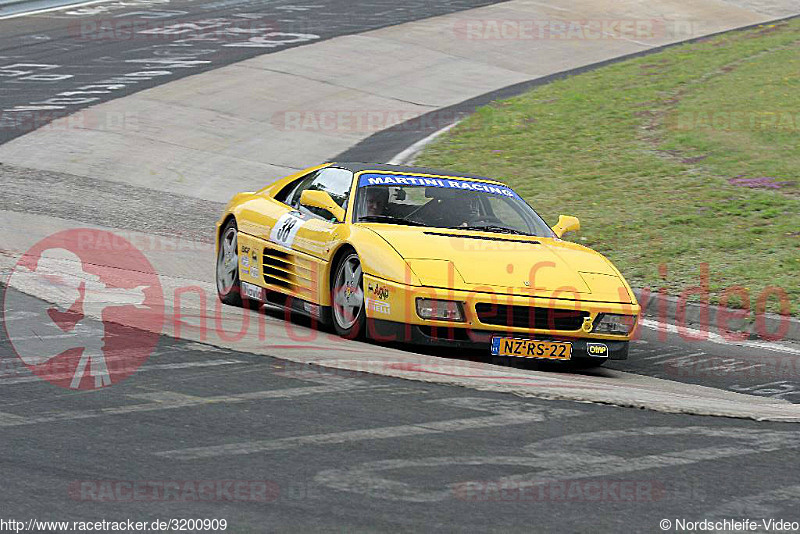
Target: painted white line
[
  {"x": 549, "y": 5},
  {"x": 407, "y": 155},
  {"x": 189, "y": 365},
  {"x": 156, "y": 367},
  {"x": 9, "y": 419},
  {"x": 672, "y": 354},
  {"x": 784, "y": 499},
  {"x": 50, "y": 9},
  {"x": 388, "y": 432},
  {"x": 169, "y": 401},
  {"x": 167, "y": 396},
  {"x": 509, "y": 416},
  {"x": 556, "y": 459},
  {"x": 718, "y": 339}
]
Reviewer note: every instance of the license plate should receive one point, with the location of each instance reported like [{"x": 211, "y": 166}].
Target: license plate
[{"x": 530, "y": 348}]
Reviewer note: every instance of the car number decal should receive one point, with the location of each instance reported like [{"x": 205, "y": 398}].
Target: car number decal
[{"x": 285, "y": 230}]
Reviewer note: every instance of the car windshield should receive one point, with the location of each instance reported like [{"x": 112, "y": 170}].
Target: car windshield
[{"x": 445, "y": 202}]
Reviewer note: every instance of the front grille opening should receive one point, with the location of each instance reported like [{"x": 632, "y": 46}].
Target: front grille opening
[
  {"x": 281, "y": 269},
  {"x": 273, "y": 271},
  {"x": 530, "y": 317},
  {"x": 275, "y": 281},
  {"x": 276, "y": 267},
  {"x": 276, "y": 258}
]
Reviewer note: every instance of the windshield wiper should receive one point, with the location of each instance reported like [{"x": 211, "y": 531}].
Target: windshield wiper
[
  {"x": 389, "y": 219},
  {"x": 492, "y": 228}
]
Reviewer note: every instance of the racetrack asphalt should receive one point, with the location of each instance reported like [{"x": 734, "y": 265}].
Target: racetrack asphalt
[
  {"x": 344, "y": 451},
  {"x": 95, "y": 45},
  {"x": 364, "y": 452}
]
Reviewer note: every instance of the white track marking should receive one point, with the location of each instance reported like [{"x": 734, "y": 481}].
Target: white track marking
[
  {"x": 389, "y": 432},
  {"x": 408, "y": 154},
  {"x": 157, "y": 367},
  {"x": 508, "y": 413},
  {"x": 571, "y": 457},
  {"x": 718, "y": 339},
  {"x": 169, "y": 401},
  {"x": 50, "y": 9},
  {"x": 770, "y": 504}
]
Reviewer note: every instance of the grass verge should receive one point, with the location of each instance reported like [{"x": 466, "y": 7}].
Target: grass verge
[{"x": 685, "y": 157}]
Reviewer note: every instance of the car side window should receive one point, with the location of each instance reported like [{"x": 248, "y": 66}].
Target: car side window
[
  {"x": 334, "y": 181},
  {"x": 292, "y": 191}
]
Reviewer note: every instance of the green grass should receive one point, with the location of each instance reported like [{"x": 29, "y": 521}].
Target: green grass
[{"x": 642, "y": 152}]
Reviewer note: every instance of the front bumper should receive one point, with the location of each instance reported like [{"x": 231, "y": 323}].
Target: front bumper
[
  {"x": 391, "y": 307},
  {"x": 465, "y": 338}
]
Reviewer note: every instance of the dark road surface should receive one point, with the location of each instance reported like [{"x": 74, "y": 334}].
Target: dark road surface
[
  {"x": 325, "y": 450},
  {"x": 53, "y": 64},
  {"x": 313, "y": 449}
]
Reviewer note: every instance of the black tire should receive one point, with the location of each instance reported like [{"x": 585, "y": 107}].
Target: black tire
[
  {"x": 227, "y": 272},
  {"x": 348, "y": 309}
]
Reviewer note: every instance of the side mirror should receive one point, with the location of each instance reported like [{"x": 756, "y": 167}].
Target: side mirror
[
  {"x": 566, "y": 223},
  {"x": 312, "y": 198}
]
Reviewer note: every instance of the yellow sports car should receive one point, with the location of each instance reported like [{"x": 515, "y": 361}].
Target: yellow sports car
[{"x": 421, "y": 256}]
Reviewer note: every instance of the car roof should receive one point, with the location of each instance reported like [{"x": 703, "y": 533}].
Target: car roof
[{"x": 386, "y": 167}]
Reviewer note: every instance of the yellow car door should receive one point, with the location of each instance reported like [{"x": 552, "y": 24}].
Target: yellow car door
[{"x": 291, "y": 251}]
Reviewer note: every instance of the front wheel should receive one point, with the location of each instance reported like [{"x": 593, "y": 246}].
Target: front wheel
[
  {"x": 228, "y": 283},
  {"x": 347, "y": 297},
  {"x": 228, "y": 266}
]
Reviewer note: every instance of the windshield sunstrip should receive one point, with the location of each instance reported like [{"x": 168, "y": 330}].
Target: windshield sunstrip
[{"x": 447, "y": 183}]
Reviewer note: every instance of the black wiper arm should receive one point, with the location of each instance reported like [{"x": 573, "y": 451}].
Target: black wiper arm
[
  {"x": 491, "y": 228},
  {"x": 389, "y": 219}
]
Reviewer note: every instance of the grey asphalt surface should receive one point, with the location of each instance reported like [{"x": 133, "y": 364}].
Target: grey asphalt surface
[
  {"x": 369, "y": 453},
  {"x": 93, "y": 54},
  {"x": 343, "y": 451}
]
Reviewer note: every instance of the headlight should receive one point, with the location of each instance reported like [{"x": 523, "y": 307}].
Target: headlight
[
  {"x": 611, "y": 323},
  {"x": 443, "y": 310}
]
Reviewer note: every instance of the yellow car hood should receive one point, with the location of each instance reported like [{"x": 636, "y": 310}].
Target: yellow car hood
[{"x": 504, "y": 263}]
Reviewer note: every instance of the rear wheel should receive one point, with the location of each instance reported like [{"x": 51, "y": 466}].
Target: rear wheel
[{"x": 347, "y": 297}]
